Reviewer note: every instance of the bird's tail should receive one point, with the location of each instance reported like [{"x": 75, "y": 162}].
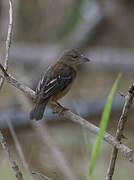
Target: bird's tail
[{"x": 38, "y": 111}]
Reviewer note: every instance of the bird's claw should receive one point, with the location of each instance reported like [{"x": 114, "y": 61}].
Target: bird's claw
[
  {"x": 59, "y": 110},
  {"x": 124, "y": 137},
  {"x": 122, "y": 94}
]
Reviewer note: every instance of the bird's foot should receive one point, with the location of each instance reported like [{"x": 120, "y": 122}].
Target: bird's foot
[{"x": 59, "y": 109}]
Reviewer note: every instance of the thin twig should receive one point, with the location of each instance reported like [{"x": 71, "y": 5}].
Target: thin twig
[
  {"x": 127, "y": 152},
  {"x": 14, "y": 166},
  {"x": 8, "y": 40},
  {"x": 19, "y": 149},
  {"x": 119, "y": 134},
  {"x": 10, "y": 79},
  {"x": 41, "y": 175}
]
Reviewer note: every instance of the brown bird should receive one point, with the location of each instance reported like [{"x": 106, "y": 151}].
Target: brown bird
[{"x": 56, "y": 81}]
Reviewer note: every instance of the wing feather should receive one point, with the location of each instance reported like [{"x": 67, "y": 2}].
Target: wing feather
[{"x": 58, "y": 81}]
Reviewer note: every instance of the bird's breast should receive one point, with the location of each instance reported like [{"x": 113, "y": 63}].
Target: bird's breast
[{"x": 61, "y": 94}]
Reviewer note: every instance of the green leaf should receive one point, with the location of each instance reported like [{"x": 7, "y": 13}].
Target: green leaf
[{"x": 103, "y": 125}]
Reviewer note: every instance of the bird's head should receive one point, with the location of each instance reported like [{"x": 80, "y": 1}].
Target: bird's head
[{"x": 74, "y": 57}]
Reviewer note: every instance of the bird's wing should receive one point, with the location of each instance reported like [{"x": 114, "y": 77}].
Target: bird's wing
[{"x": 58, "y": 81}]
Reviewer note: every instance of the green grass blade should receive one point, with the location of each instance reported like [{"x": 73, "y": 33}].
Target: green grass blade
[{"x": 103, "y": 125}]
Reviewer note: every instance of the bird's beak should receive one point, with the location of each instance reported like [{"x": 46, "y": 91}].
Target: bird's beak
[{"x": 84, "y": 59}]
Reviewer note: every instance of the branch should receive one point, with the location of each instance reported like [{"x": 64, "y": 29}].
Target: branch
[
  {"x": 19, "y": 149},
  {"x": 8, "y": 40},
  {"x": 14, "y": 166},
  {"x": 119, "y": 134},
  {"x": 10, "y": 79},
  {"x": 127, "y": 152}
]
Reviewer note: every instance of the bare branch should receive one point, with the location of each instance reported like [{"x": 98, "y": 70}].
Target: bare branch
[
  {"x": 8, "y": 41},
  {"x": 128, "y": 153},
  {"x": 14, "y": 166},
  {"x": 19, "y": 149},
  {"x": 119, "y": 134},
  {"x": 10, "y": 79}
]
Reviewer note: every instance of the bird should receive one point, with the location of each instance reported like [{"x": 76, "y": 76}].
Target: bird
[{"x": 56, "y": 82}]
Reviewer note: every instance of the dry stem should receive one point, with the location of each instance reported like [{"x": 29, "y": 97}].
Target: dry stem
[
  {"x": 119, "y": 134},
  {"x": 19, "y": 149},
  {"x": 14, "y": 166},
  {"x": 8, "y": 40}
]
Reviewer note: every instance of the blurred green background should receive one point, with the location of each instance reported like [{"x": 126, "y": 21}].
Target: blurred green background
[{"x": 42, "y": 31}]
